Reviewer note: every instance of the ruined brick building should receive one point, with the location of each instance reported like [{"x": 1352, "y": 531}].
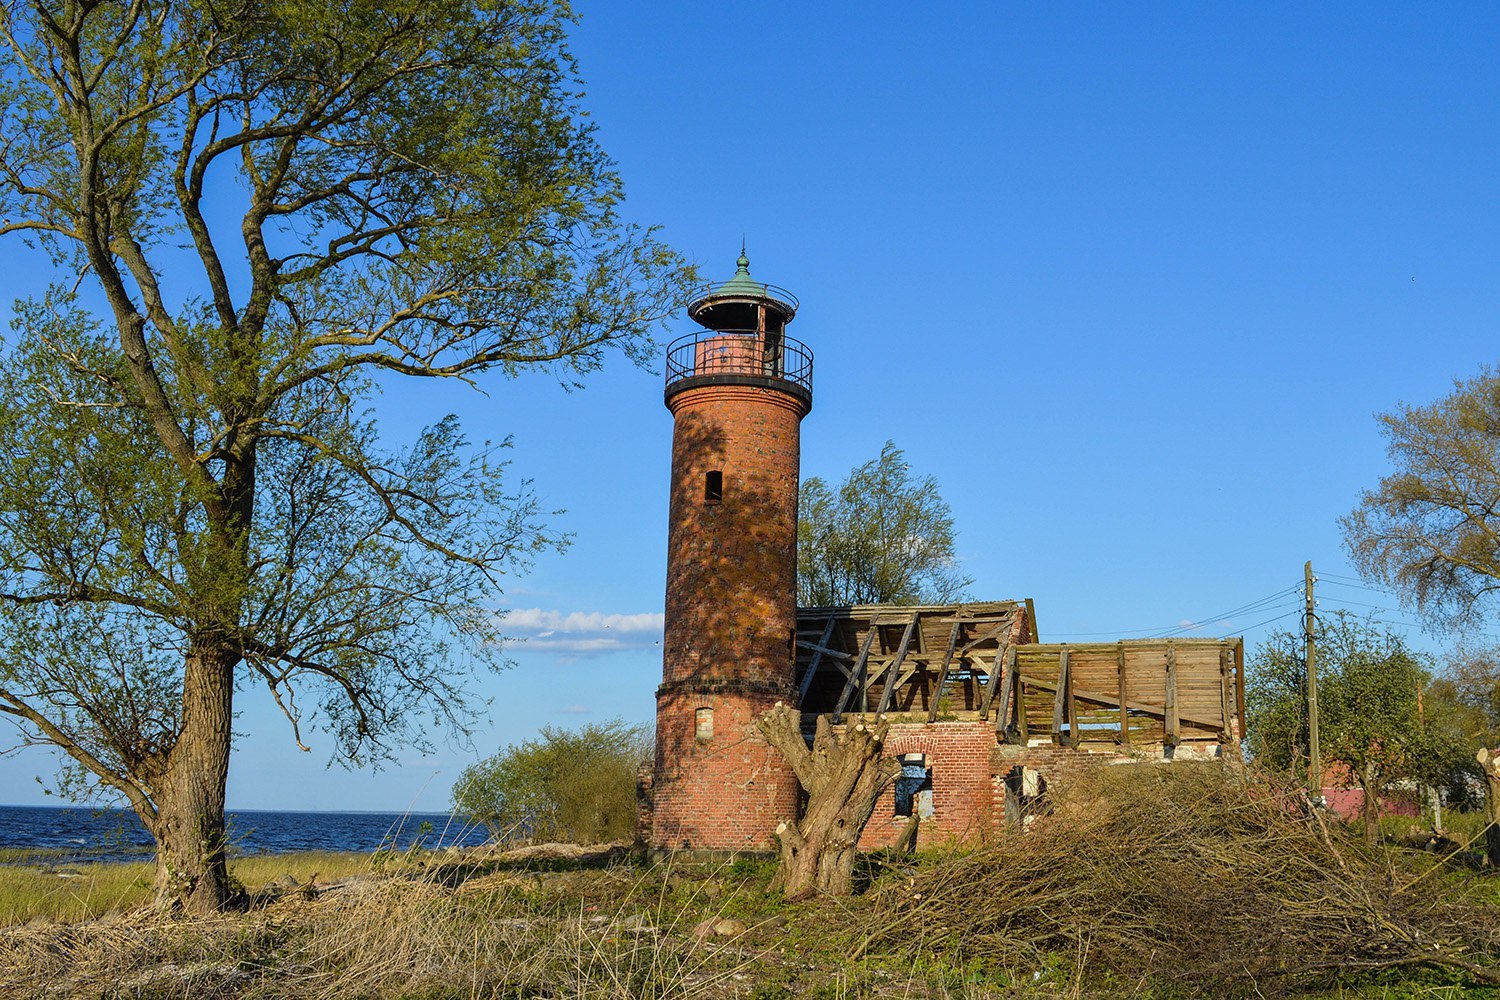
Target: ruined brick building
[{"x": 983, "y": 715}]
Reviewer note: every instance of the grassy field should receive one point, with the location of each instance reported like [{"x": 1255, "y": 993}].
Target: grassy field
[
  {"x": 1167, "y": 883},
  {"x": 69, "y": 893}
]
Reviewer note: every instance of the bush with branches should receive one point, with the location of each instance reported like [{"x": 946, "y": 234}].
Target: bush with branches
[{"x": 568, "y": 785}]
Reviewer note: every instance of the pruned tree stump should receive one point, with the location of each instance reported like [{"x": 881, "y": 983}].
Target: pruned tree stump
[
  {"x": 1489, "y": 762},
  {"x": 843, "y": 777}
]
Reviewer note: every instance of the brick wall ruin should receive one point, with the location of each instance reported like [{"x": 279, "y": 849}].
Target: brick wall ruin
[{"x": 958, "y": 759}]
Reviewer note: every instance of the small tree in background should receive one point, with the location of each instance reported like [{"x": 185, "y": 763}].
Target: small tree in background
[
  {"x": 1464, "y": 699},
  {"x": 1372, "y": 721},
  {"x": 885, "y": 537},
  {"x": 572, "y": 786}
]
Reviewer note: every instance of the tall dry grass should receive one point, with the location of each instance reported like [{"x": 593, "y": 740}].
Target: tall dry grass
[{"x": 620, "y": 933}]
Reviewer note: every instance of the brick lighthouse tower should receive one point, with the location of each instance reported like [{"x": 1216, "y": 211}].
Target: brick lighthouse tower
[{"x": 738, "y": 390}]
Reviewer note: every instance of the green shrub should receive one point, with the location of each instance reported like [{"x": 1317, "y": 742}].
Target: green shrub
[{"x": 565, "y": 785}]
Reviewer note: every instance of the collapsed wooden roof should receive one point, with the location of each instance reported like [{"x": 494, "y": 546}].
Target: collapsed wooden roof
[
  {"x": 979, "y": 660},
  {"x": 890, "y": 658}
]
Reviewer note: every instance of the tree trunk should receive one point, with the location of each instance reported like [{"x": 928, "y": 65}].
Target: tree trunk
[
  {"x": 1489, "y": 761},
  {"x": 191, "y": 870},
  {"x": 843, "y": 776},
  {"x": 1369, "y": 783},
  {"x": 907, "y": 842}
]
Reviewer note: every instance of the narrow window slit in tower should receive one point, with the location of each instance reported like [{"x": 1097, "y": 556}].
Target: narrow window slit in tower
[{"x": 713, "y": 487}]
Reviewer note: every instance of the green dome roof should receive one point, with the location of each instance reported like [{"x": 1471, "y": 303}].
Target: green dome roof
[
  {"x": 741, "y": 283},
  {"x": 717, "y": 305}
]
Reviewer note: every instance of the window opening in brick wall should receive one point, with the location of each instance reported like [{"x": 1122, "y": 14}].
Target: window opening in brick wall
[
  {"x": 703, "y": 724},
  {"x": 1025, "y": 796},
  {"x": 914, "y": 786},
  {"x": 713, "y": 487}
]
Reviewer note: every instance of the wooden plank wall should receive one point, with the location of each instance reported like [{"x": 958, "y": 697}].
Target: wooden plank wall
[{"x": 1175, "y": 691}]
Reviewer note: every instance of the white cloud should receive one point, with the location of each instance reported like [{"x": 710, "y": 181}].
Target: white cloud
[
  {"x": 537, "y": 621},
  {"x": 575, "y": 710},
  {"x": 584, "y": 633}
]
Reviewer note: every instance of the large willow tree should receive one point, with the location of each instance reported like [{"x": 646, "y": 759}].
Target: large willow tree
[{"x": 251, "y": 209}]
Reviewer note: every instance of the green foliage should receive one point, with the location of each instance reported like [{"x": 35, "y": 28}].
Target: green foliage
[
  {"x": 885, "y": 537},
  {"x": 745, "y": 869},
  {"x": 1431, "y": 529},
  {"x": 1377, "y": 717},
  {"x": 254, "y": 211},
  {"x": 571, "y": 786},
  {"x": 1466, "y": 698}
]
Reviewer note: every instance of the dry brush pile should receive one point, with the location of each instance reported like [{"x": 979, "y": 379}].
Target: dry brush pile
[{"x": 1194, "y": 875}]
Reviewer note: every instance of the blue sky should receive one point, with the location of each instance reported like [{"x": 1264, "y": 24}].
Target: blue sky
[{"x": 1129, "y": 280}]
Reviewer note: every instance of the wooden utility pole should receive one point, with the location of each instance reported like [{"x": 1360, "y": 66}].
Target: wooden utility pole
[{"x": 1314, "y": 755}]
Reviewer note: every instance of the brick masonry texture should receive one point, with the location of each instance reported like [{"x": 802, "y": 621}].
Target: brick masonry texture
[
  {"x": 731, "y": 616},
  {"x": 958, "y": 755},
  {"x": 725, "y": 793},
  {"x": 968, "y": 769}
]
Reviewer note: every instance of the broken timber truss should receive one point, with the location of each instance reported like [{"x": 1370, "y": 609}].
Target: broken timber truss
[{"x": 979, "y": 661}]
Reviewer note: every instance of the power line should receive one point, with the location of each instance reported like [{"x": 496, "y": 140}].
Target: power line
[
  {"x": 1337, "y": 580},
  {"x": 1242, "y": 609},
  {"x": 1395, "y": 623},
  {"x": 1358, "y": 586},
  {"x": 1113, "y": 631},
  {"x": 1251, "y": 628},
  {"x": 1165, "y": 631},
  {"x": 1367, "y": 604},
  {"x": 1325, "y": 575},
  {"x": 1252, "y": 607},
  {"x": 1394, "y": 608},
  {"x": 1421, "y": 627},
  {"x": 1416, "y": 626},
  {"x": 1261, "y": 604}
]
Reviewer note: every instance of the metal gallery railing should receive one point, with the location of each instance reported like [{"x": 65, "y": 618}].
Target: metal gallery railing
[{"x": 739, "y": 354}]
